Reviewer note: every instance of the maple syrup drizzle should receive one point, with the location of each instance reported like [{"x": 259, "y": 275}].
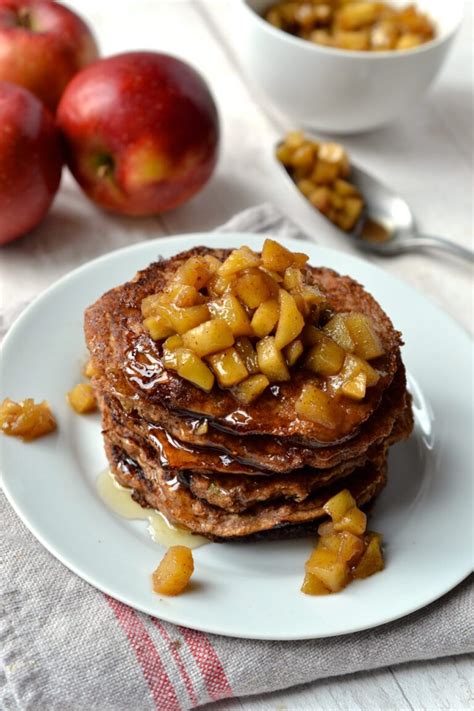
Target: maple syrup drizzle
[{"x": 119, "y": 500}]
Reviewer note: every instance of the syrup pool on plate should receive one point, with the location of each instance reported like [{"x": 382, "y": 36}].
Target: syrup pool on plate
[{"x": 119, "y": 500}]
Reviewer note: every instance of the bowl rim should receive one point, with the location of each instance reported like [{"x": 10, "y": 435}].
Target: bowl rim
[{"x": 458, "y": 8}]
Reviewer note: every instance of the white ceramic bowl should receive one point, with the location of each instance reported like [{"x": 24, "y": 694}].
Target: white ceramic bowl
[{"x": 336, "y": 90}]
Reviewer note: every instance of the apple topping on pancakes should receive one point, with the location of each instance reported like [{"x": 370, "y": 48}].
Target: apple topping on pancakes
[{"x": 250, "y": 320}]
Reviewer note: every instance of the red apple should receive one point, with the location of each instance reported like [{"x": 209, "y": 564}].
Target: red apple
[
  {"x": 141, "y": 132},
  {"x": 30, "y": 161},
  {"x": 42, "y": 45}
]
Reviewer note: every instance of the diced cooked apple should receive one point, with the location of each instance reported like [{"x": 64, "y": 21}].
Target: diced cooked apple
[
  {"x": 325, "y": 565},
  {"x": 338, "y": 505},
  {"x": 354, "y": 521},
  {"x": 321, "y": 36},
  {"x": 334, "y": 153},
  {"x": 26, "y": 419},
  {"x": 313, "y": 586},
  {"x": 303, "y": 156},
  {"x": 315, "y": 405},
  {"x": 301, "y": 304},
  {"x": 209, "y": 337},
  {"x": 321, "y": 196},
  {"x": 353, "y": 365},
  {"x": 238, "y": 260},
  {"x": 170, "y": 352},
  {"x": 351, "y": 547},
  {"x": 82, "y": 398},
  {"x": 174, "y": 572},
  {"x": 310, "y": 335},
  {"x": 276, "y": 257},
  {"x": 336, "y": 328},
  {"x": 332, "y": 541},
  {"x": 254, "y": 287},
  {"x": 150, "y": 304},
  {"x": 183, "y": 295},
  {"x": 229, "y": 309},
  {"x": 346, "y": 545},
  {"x": 182, "y": 320},
  {"x": 372, "y": 559},
  {"x": 218, "y": 285},
  {"x": 271, "y": 361},
  {"x": 352, "y": 210},
  {"x": 383, "y": 35},
  {"x": 284, "y": 154},
  {"x": 324, "y": 173},
  {"x": 168, "y": 294},
  {"x": 247, "y": 352},
  {"x": 192, "y": 368},
  {"x": 345, "y": 189},
  {"x": 344, "y": 221},
  {"x": 357, "y": 40},
  {"x": 293, "y": 351},
  {"x": 408, "y": 41},
  {"x": 355, "y": 15},
  {"x": 249, "y": 390},
  {"x": 356, "y": 387},
  {"x": 158, "y": 327},
  {"x": 300, "y": 259},
  {"x": 196, "y": 271},
  {"x": 325, "y": 358},
  {"x": 213, "y": 262},
  {"x": 228, "y": 367},
  {"x": 294, "y": 139},
  {"x": 306, "y": 186},
  {"x": 326, "y": 528},
  {"x": 367, "y": 343},
  {"x": 265, "y": 318},
  {"x": 293, "y": 279},
  {"x": 313, "y": 296},
  {"x": 89, "y": 370},
  {"x": 290, "y": 321},
  {"x": 336, "y": 200}
]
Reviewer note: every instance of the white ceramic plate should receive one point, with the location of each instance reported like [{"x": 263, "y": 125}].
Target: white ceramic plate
[{"x": 246, "y": 590}]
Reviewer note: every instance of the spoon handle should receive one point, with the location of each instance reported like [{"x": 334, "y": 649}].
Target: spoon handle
[{"x": 432, "y": 242}]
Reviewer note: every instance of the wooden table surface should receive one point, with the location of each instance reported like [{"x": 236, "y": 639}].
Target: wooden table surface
[{"x": 426, "y": 157}]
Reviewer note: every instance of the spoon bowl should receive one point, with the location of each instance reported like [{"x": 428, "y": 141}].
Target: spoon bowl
[{"x": 387, "y": 225}]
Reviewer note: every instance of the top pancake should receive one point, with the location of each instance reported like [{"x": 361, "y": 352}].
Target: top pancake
[{"x": 130, "y": 361}]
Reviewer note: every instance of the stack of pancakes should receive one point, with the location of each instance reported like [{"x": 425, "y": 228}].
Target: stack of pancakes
[{"x": 223, "y": 469}]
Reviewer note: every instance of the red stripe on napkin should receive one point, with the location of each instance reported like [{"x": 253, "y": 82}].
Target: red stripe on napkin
[
  {"x": 209, "y": 664},
  {"x": 148, "y": 657},
  {"x": 177, "y": 658}
]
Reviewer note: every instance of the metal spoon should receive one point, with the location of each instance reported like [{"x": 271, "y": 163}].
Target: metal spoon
[{"x": 397, "y": 232}]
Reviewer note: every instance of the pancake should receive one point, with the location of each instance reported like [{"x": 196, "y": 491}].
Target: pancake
[
  {"x": 263, "y": 452},
  {"x": 137, "y": 469}
]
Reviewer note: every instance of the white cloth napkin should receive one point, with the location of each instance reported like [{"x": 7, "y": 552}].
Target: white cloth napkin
[{"x": 65, "y": 645}]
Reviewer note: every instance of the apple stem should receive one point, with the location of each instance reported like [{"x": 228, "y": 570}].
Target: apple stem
[
  {"x": 105, "y": 167},
  {"x": 103, "y": 170},
  {"x": 24, "y": 18}
]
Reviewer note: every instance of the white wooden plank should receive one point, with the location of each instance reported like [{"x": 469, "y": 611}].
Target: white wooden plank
[
  {"x": 369, "y": 691},
  {"x": 438, "y": 685}
]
